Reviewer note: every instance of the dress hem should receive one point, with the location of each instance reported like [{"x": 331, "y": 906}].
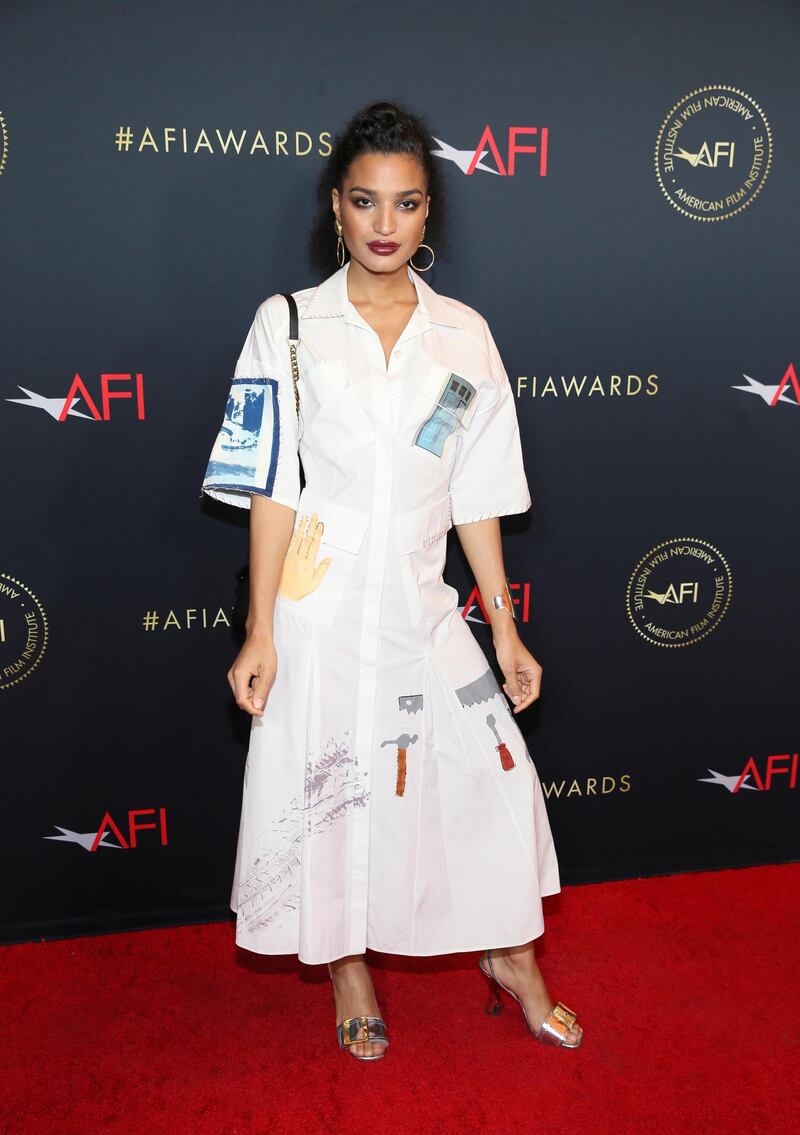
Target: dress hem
[{"x": 405, "y": 953}]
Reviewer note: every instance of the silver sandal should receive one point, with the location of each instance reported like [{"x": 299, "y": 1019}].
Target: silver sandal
[
  {"x": 356, "y": 1030},
  {"x": 553, "y": 1029}
]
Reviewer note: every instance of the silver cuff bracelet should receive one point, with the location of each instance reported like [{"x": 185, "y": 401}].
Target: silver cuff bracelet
[{"x": 505, "y": 601}]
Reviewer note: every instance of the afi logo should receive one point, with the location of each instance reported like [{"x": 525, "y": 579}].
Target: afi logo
[
  {"x": 704, "y": 157},
  {"x": 779, "y": 764},
  {"x": 522, "y": 602},
  {"x": 470, "y": 160},
  {"x": 90, "y": 841},
  {"x": 61, "y": 408},
  {"x": 688, "y": 591},
  {"x": 776, "y": 393},
  {"x": 773, "y": 769}
]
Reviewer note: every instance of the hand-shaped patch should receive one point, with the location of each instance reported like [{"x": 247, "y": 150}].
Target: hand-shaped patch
[{"x": 301, "y": 574}]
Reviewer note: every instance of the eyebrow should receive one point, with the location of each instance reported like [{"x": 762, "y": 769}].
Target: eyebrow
[{"x": 371, "y": 192}]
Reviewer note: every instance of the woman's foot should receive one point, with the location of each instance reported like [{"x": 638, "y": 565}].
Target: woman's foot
[
  {"x": 517, "y": 968},
  {"x": 354, "y": 996}
]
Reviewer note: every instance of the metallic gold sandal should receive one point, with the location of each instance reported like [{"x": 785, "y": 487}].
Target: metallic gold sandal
[
  {"x": 553, "y": 1029},
  {"x": 356, "y": 1030}
]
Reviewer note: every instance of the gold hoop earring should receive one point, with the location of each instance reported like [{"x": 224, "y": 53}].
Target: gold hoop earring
[
  {"x": 339, "y": 245},
  {"x": 427, "y": 266},
  {"x": 420, "y": 245}
]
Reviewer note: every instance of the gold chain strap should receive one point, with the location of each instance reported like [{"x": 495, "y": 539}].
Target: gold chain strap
[{"x": 295, "y": 377}]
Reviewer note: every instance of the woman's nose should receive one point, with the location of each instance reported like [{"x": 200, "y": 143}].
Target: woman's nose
[{"x": 384, "y": 221}]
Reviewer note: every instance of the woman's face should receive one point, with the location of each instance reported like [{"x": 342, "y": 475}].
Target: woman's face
[{"x": 382, "y": 210}]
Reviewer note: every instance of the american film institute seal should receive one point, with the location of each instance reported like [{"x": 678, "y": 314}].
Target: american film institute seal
[
  {"x": 679, "y": 591},
  {"x": 23, "y": 631},
  {"x": 713, "y": 153}
]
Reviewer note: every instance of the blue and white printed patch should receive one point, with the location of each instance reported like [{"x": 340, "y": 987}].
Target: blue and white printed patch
[
  {"x": 452, "y": 403},
  {"x": 245, "y": 453}
]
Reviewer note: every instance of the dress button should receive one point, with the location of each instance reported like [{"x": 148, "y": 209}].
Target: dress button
[{"x": 398, "y": 354}]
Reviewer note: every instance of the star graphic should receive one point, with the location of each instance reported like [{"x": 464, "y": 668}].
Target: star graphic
[
  {"x": 728, "y": 782},
  {"x": 472, "y": 618},
  {"x": 462, "y": 158},
  {"x": 661, "y": 597},
  {"x": 83, "y": 839},
  {"x": 51, "y": 406},
  {"x": 689, "y": 157},
  {"x": 764, "y": 391}
]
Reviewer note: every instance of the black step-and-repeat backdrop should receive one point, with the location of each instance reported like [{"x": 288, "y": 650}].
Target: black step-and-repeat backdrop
[{"x": 623, "y": 187}]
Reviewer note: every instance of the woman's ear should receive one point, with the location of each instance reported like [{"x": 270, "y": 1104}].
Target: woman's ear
[{"x": 335, "y": 204}]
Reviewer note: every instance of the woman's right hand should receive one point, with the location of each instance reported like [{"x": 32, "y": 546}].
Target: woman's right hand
[{"x": 253, "y": 672}]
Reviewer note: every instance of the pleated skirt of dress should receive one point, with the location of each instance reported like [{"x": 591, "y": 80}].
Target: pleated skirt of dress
[{"x": 394, "y": 806}]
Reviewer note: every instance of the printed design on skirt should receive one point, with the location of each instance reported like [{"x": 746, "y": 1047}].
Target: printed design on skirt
[
  {"x": 451, "y": 404},
  {"x": 332, "y": 789},
  {"x": 479, "y": 689},
  {"x": 402, "y": 742},
  {"x": 411, "y": 703},
  {"x": 301, "y": 573},
  {"x": 482, "y": 689},
  {"x": 506, "y": 760}
]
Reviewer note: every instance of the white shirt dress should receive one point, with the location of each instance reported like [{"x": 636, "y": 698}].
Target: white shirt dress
[{"x": 389, "y": 798}]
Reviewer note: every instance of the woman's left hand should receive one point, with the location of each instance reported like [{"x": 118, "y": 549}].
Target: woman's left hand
[{"x": 523, "y": 674}]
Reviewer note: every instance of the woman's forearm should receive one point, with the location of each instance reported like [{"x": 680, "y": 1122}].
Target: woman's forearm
[
  {"x": 484, "y": 551},
  {"x": 271, "y": 526}
]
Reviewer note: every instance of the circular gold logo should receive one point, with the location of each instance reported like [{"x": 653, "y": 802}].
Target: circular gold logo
[
  {"x": 679, "y": 591},
  {"x": 713, "y": 153},
  {"x": 3, "y": 142},
  {"x": 23, "y": 631}
]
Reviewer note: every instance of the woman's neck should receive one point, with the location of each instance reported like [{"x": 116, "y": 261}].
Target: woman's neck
[{"x": 379, "y": 289}]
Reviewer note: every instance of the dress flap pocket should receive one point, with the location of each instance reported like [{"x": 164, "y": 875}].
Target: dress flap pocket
[
  {"x": 344, "y": 527},
  {"x": 422, "y": 526},
  {"x": 455, "y": 396}
]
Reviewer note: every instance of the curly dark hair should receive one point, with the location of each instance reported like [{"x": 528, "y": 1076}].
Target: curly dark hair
[{"x": 380, "y": 128}]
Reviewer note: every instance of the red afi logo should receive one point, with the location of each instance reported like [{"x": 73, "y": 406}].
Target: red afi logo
[
  {"x": 790, "y": 376},
  {"x": 134, "y": 826},
  {"x": 514, "y": 148},
  {"x": 522, "y": 601},
  {"x": 772, "y": 770},
  {"x": 78, "y": 388}
]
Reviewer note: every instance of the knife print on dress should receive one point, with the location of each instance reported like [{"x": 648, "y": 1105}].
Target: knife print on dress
[
  {"x": 411, "y": 703},
  {"x": 402, "y": 742},
  {"x": 271, "y": 889},
  {"x": 451, "y": 404},
  {"x": 301, "y": 574},
  {"x": 506, "y": 760}
]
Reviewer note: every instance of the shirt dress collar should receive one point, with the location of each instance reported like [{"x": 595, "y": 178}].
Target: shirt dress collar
[{"x": 330, "y": 299}]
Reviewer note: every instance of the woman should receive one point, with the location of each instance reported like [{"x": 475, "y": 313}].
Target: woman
[{"x": 389, "y": 799}]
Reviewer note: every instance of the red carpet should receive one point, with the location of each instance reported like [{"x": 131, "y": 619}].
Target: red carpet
[{"x": 686, "y": 986}]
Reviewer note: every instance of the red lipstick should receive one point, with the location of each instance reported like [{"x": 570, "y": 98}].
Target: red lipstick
[{"x": 383, "y": 247}]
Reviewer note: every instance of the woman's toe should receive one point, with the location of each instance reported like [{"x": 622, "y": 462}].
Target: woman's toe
[{"x": 575, "y": 1033}]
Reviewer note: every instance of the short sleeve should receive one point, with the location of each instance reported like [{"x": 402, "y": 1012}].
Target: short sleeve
[
  {"x": 488, "y": 477},
  {"x": 256, "y": 447}
]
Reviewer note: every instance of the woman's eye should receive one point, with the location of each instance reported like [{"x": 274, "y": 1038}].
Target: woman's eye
[{"x": 364, "y": 203}]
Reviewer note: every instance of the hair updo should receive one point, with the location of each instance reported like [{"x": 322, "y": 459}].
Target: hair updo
[{"x": 380, "y": 128}]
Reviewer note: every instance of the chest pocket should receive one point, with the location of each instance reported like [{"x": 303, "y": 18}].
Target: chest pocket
[
  {"x": 340, "y": 541},
  {"x": 444, "y": 404},
  {"x": 334, "y": 420}
]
